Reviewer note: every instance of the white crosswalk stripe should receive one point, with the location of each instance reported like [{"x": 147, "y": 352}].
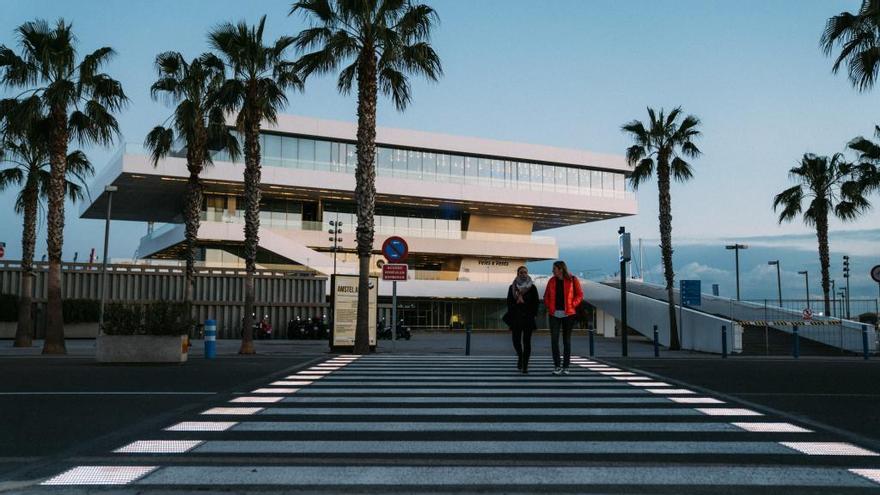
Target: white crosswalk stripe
[{"x": 394, "y": 416}]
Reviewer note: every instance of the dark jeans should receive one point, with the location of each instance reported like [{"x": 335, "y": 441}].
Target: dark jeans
[
  {"x": 567, "y": 324},
  {"x": 522, "y": 342}
]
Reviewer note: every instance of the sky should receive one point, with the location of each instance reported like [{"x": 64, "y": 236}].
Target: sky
[{"x": 564, "y": 73}]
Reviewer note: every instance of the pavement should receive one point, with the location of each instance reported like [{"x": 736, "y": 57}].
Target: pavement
[{"x": 426, "y": 418}]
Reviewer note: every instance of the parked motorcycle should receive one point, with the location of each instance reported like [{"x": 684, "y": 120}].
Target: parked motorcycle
[
  {"x": 383, "y": 331},
  {"x": 318, "y": 329},
  {"x": 296, "y": 329}
]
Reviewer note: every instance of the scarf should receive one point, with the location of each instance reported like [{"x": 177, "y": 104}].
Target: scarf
[{"x": 522, "y": 285}]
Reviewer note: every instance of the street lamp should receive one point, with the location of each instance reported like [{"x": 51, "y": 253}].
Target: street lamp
[
  {"x": 846, "y": 276},
  {"x": 109, "y": 190},
  {"x": 736, "y": 248},
  {"x": 806, "y": 275},
  {"x": 778, "y": 280},
  {"x": 335, "y": 230},
  {"x": 833, "y": 298}
]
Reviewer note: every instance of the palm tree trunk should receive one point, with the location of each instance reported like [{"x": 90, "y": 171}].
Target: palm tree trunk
[
  {"x": 24, "y": 332},
  {"x": 365, "y": 191},
  {"x": 665, "y": 218},
  {"x": 193, "y": 217},
  {"x": 54, "y": 343},
  {"x": 824, "y": 258},
  {"x": 251, "y": 225}
]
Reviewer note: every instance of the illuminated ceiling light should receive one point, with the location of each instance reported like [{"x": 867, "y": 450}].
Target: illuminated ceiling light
[
  {"x": 257, "y": 400},
  {"x": 727, "y": 411},
  {"x": 829, "y": 448},
  {"x": 771, "y": 427},
  {"x": 275, "y": 391},
  {"x": 159, "y": 447},
  {"x": 100, "y": 475},
  {"x": 202, "y": 426},
  {"x": 695, "y": 400},
  {"x": 233, "y": 411}
]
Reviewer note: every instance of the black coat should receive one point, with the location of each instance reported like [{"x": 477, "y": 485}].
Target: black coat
[{"x": 522, "y": 315}]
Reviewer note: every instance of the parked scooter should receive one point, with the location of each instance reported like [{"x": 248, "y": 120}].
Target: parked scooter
[
  {"x": 317, "y": 328},
  {"x": 403, "y": 331},
  {"x": 263, "y": 329},
  {"x": 383, "y": 331},
  {"x": 296, "y": 329}
]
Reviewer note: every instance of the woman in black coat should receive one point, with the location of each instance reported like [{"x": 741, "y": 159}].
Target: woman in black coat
[{"x": 522, "y": 308}]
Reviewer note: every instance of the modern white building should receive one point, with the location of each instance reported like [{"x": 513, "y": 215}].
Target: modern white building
[{"x": 471, "y": 210}]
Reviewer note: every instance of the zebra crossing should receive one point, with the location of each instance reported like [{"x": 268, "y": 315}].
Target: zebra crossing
[{"x": 433, "y": 423}]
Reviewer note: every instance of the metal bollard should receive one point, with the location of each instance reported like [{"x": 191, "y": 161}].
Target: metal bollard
[
  {"x": 723, "y": 341},
  {"x": 656, "y": 342},
  {"x": 590, "y": 332},
  {"x": 210, "y": 339},
  {"x": 865, "y": 340},
  {"x": 467, "y": 342},
  {"x": 796, "y": 345}
]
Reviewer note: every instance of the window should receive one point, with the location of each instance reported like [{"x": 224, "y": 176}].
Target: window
[
  {"x": 414, "y": 165},
  {"x": 536, "y": 173},
  {"x": 596, "y": 182},
  {"x": 561, "y": 179},
  {"x": 350, "y": 158},
  {"x": 456, "y": 168},
  {"x": 272, "y": 150},
  {"x": 522, "y": 175},
  {"x": 572, "y": 180},
  {"x": 306, "y": 155},
  {"x": 429, "y": 166},
  {"x": 549, "y": 177},
  {"x": 608, "y": 181},
  {"x": 443, "y": 169},
  {"x": 383, "y": 162},
  {"x": 498, "y": 172},
  {"x": 619, "y": 183},
  {"x": 398, "y": 163},
  {"x": 470, "y": 170},
  {"x": 584, "y": 180},
  {"x": 485, "y": 170},
  {"x": 322, "y": 154},
  {"x": 289, "y": 150}
]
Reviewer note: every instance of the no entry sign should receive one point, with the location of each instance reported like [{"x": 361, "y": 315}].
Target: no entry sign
[
  {"x": 395, "y": 249},
  {"x": 394, "y": 272},
  {"x": 875, "y": 274}
]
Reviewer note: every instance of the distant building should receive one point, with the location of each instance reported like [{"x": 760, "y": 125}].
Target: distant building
[{"x": 469, "y": 208}]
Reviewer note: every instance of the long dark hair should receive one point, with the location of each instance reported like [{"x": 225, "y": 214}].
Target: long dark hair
[{"x": 563, "y": 268}]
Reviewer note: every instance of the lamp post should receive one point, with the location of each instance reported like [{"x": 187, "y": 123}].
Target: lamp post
[
  {"x": 846, "y": 276},
  {"x": 335, "y": 230},
  {"x": 736, "y": 248},
  {"x": 842, "y": 292},
  {"x": 109, "y": 190},
  {"x": 834, "y": 299},
  {"x": 806, "y": 275},
  {"x": 778, "y": 280}
]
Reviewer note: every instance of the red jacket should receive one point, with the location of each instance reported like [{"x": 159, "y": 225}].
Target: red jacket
[{"x": 574, "y": 295}]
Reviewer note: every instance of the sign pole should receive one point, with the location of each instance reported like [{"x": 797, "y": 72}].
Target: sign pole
[
  {"x": 625, "y": 256},
  {"x": 393, "y": 315}
]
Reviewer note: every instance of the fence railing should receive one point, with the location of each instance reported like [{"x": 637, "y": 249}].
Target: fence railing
[{"x": 218, "y": 291}]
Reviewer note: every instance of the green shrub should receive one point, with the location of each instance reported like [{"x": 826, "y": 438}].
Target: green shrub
[
  {"x": 123, "y": 319},
  {"x": 80, "y": 310},
  {"x": 159, "y": 318},
  {"x": 167, "y": 318},
  {"x": 8, "y": 307}
]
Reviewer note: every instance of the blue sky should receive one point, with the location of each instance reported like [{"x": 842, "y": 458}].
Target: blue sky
[{"x": 563, "y": 73}]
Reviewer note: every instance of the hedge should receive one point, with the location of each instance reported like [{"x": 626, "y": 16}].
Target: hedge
[{"x": 159, "y": 318}]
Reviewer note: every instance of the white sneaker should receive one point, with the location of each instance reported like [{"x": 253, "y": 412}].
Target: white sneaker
[
  {"x": 557, "y": 371},
  {"x": 564, "y": 371}
]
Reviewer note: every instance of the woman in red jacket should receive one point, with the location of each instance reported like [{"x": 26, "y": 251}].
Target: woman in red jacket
[{"x": 562, "y": 297}]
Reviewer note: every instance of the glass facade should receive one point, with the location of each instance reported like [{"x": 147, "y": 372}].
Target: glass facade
[
  {"x": 334, "y": 156},
  {"x": 418, "y": 222}
]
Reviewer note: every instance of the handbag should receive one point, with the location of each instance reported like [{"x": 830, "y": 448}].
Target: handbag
[{"x": 508, "y": 319}]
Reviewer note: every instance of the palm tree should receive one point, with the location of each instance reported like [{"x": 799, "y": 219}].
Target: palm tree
[
  {"x": 661, "y": 145},
  {"x": 858, "y": 35},
  {"x": 868, "y": 167},
  {"x": 201, "y": 129},
  {"x": 260, "y": 76},
  {"x": 25, "y": 150},
  {"x": 380, "y": 42},
  {"x": 80, "y": 101},
  {"x": 831, "y": 187}
]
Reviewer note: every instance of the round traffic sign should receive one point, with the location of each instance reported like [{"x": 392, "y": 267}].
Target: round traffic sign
[
  {"x": 808, "y": 314},
  {"x": 2, "y": 251},
  {"x": 875, "y": 274},
  {"x": 395, "y": 249}
]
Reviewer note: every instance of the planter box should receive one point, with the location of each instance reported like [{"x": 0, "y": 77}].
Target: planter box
[
  {"x": 141, "y": 349},
  {"x": 7, "y": 329},
  {"x": 80, "y": 330}
]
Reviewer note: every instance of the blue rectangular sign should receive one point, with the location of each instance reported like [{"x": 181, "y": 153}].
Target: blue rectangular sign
[{"x": 689, "y": 291}]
